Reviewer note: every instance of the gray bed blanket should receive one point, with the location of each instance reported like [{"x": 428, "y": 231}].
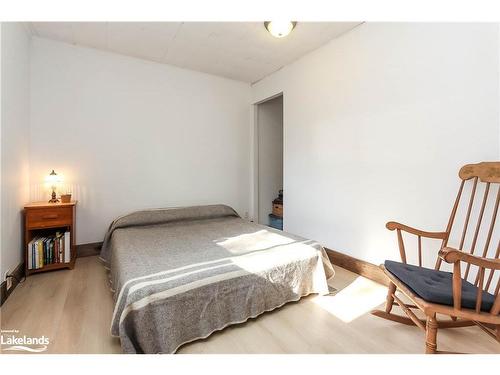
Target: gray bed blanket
[{"x": 182, "y": 274}]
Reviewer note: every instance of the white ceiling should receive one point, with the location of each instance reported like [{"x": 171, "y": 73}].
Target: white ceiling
[{"x": 243, "y": 51}]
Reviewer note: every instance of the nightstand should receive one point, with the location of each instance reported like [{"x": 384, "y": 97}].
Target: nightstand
[{"x": 49, "y": 236}]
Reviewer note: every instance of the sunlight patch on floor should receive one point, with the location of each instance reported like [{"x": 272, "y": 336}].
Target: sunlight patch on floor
[{"x": 353, "y": 301}]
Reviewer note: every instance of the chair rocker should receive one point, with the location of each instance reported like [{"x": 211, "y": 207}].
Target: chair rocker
[{"x": 469, "y": 295}]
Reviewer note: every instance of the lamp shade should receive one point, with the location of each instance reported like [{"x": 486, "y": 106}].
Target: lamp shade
[{"x": 53, "y": 178}]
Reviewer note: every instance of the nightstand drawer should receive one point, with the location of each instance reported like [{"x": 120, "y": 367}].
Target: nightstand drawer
[{"x": 49, "y": 217}]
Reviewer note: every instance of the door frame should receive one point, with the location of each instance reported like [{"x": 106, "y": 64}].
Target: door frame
[{"x": 254, "y": 202}]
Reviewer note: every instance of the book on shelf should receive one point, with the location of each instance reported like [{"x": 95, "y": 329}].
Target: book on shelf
[
  {"x": 51, "y": 249},
  {"x": 67, "y": 247}
]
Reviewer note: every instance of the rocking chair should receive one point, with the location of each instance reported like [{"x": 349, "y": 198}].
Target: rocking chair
[{"x": 468, "y": 298}]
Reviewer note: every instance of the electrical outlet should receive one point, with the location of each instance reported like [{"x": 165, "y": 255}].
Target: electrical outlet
[
  {"x": 8, "y": 280},
  {"x": 246, "y": 216}
]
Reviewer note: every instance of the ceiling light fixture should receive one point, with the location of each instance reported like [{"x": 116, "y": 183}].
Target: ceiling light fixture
[{"x": 279, "y": 29}]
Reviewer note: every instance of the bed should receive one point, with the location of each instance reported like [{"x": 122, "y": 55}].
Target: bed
[{"x": 180, "y": 274}]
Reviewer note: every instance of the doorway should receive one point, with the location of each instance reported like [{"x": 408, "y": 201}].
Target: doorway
[{"x": 269, "y": 147}]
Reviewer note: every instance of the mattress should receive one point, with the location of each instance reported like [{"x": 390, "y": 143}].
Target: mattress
[{"x": 180, "y": 274}]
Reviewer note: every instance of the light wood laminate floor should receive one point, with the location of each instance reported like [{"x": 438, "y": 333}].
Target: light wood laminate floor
[{"x": 73, "y": 309}]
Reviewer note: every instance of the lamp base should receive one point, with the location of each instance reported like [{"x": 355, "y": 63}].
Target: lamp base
[{"x": 54, "y": 199}]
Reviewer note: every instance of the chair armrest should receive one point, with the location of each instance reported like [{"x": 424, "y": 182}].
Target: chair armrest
[
  {"x": 392, "y": 225},
  {"x": 450, "y": 255}
]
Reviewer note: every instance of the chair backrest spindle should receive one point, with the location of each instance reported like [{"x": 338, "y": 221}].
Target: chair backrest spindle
[
  {"x": 401, "y": 246},
  {"x": 420, "y": 251},
  {"x": 469, "y": 210},
  {"x": 492, "y": 225},
  {"x": 478, "y": 226}
]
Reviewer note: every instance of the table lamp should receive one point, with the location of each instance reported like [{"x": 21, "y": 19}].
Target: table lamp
[{"x": 53, "y": 179}]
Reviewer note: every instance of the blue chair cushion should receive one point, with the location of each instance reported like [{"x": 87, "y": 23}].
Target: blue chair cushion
[{"x": 437, "y": 286}]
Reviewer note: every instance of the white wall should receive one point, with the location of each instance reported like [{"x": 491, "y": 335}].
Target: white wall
[
  {"x": 129, "y": 134},
  {"x": 15, "y": 44},
  {"x": 376, "y": 126},
  {"x": 270, "y": 159}
]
